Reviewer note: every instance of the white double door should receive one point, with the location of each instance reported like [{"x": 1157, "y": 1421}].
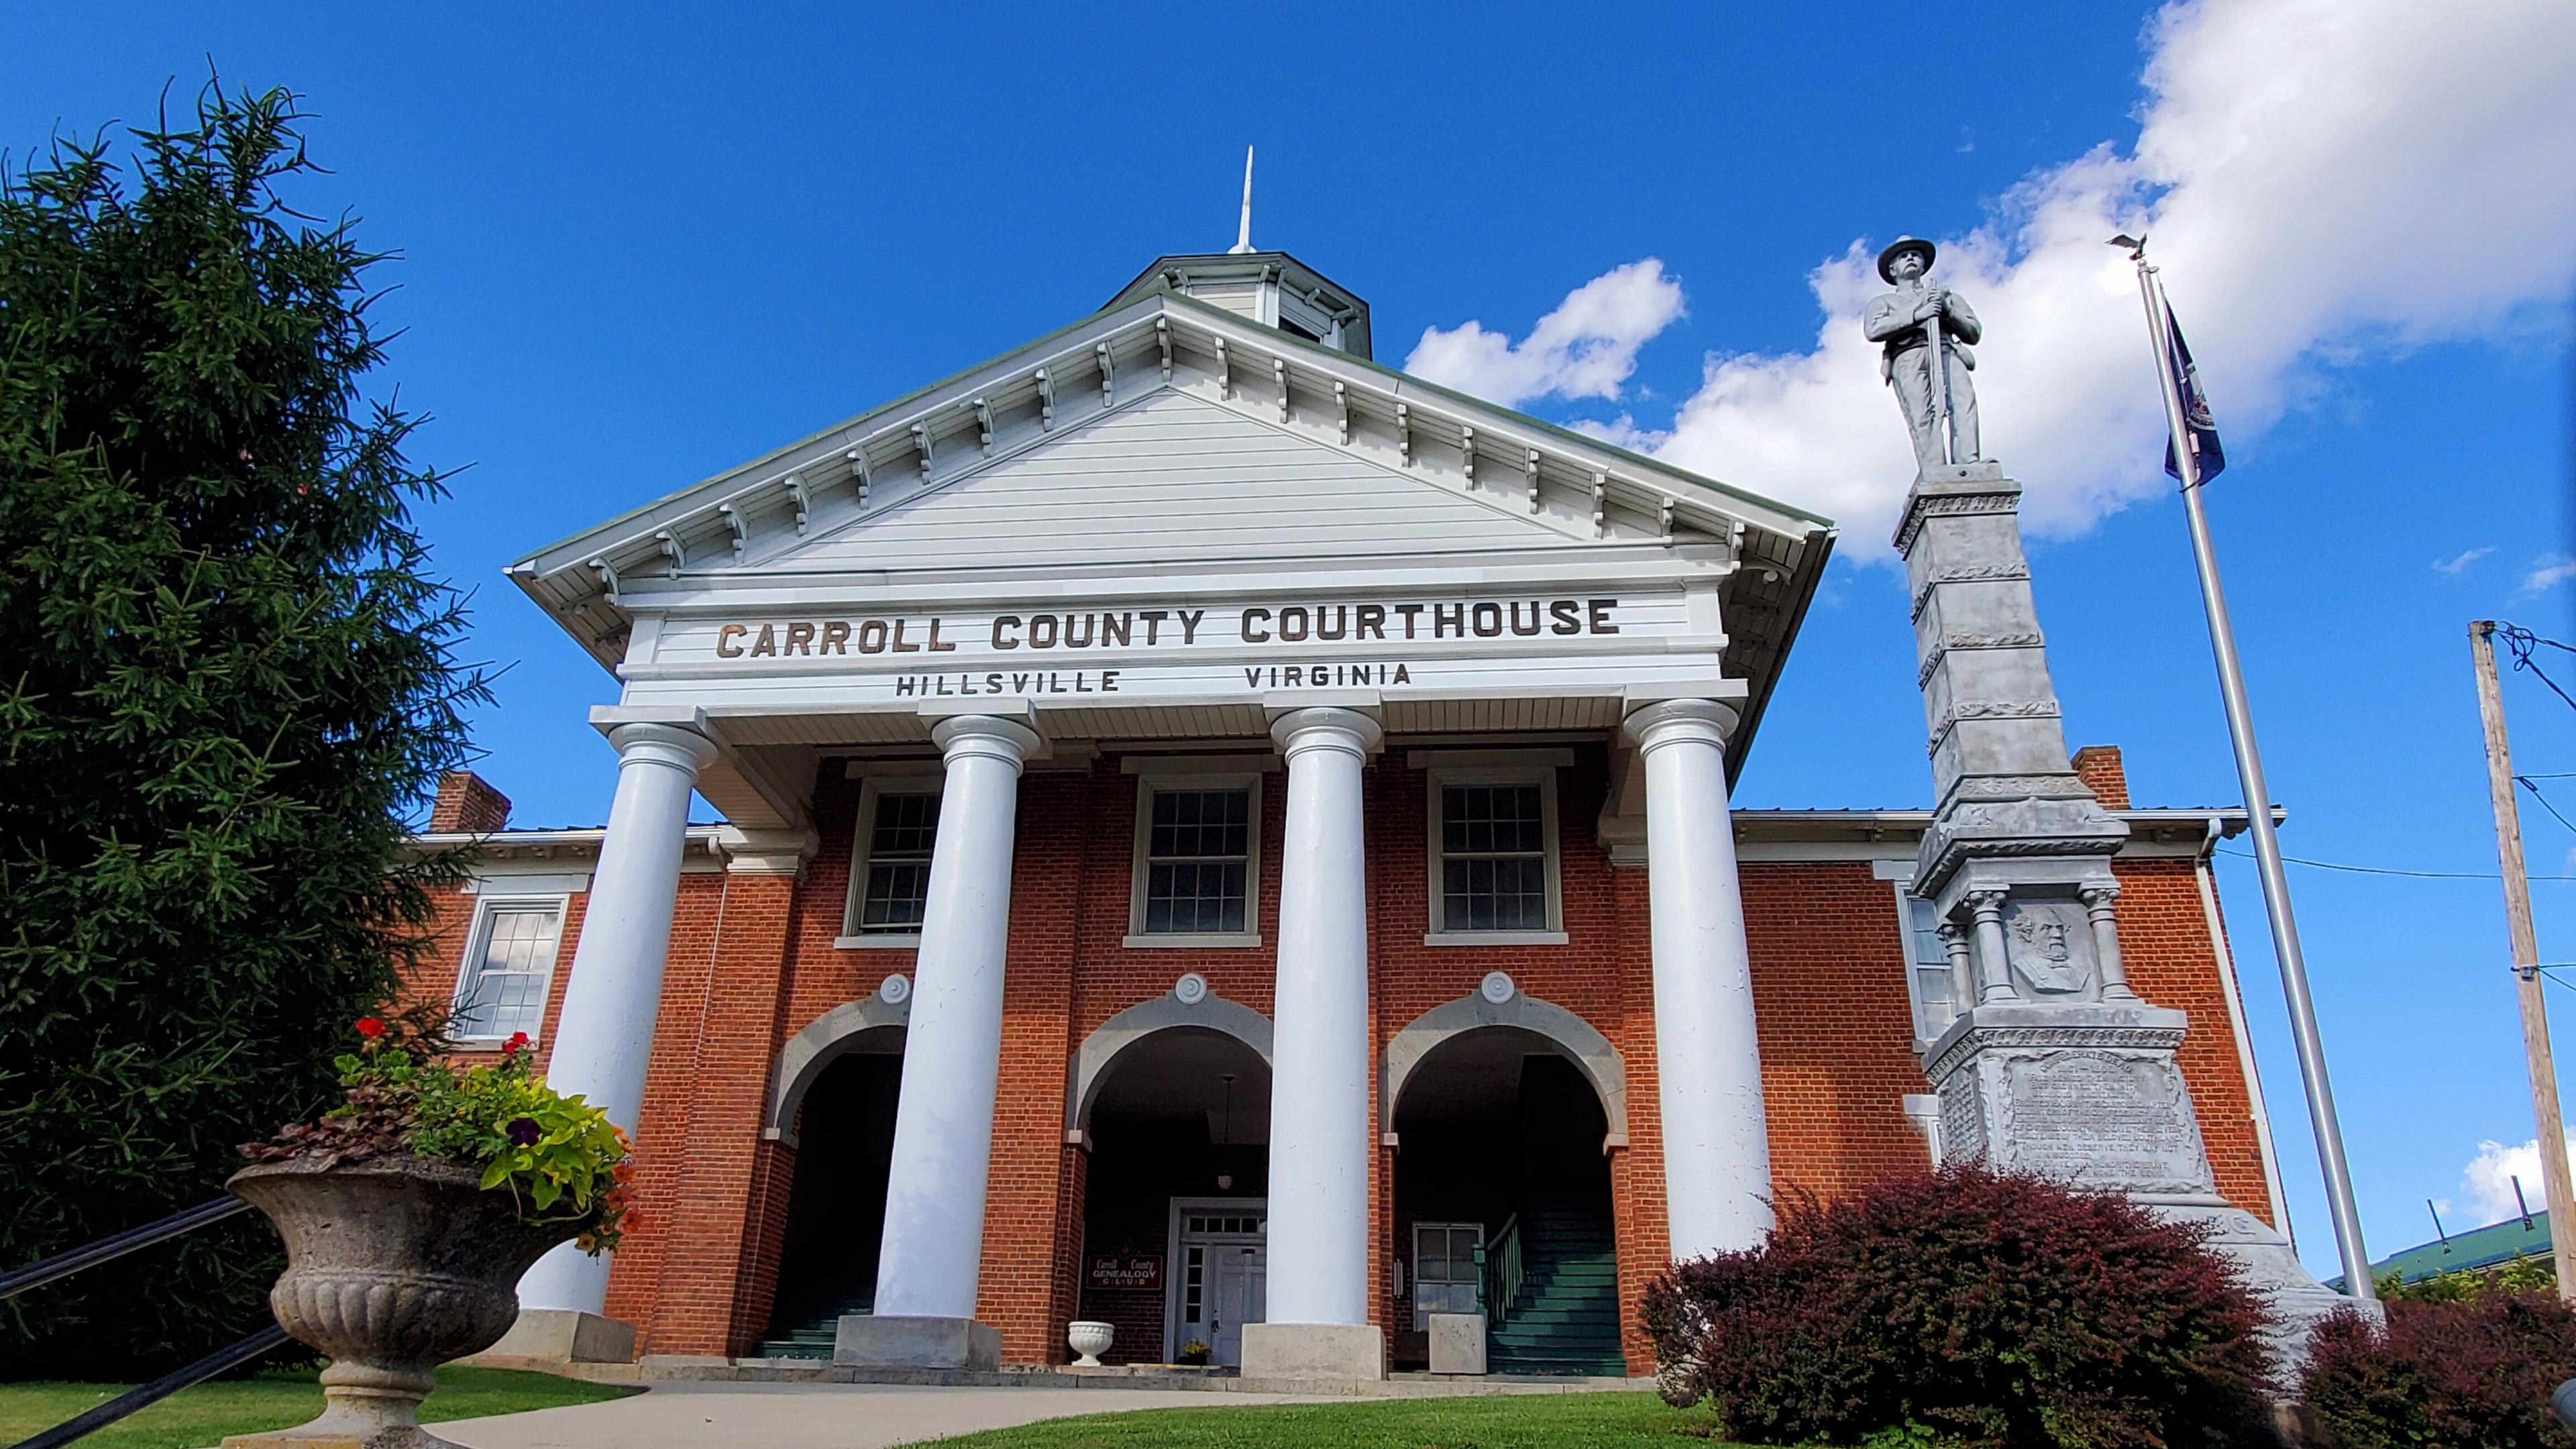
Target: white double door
[{"x": 1222, "y": 1280}]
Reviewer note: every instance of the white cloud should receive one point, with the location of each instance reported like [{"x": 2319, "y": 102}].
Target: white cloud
[
  {"x": 1587, "y": 347},
  {"x": 2548, "y": 573},
  {"x": 2324, "y": 181},
  {"x": 2459, "y": 561},
  {"x": 2488, "y": 1180}
]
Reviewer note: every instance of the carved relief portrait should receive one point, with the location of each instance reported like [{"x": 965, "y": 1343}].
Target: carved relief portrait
[{"x": 2050, "y": 947}]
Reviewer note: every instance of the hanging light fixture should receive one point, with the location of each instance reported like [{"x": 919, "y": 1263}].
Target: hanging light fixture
[{"x": 1224, "y": 1179}]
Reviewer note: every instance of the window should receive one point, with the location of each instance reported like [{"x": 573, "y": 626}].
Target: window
[
  {"x": 509, "y": 961},
  {"x": 1197, "y": 873},
  {"x": 1198, "y": 851},
  {"x": 1445, "y": 1276},
  {"x": 890, "y": 869},
  {"x": 1494, "y": 865},
  {"x": 1929, "y": 983}
]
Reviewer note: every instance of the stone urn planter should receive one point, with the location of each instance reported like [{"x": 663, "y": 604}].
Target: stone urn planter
[
  {"x": 393, "y": 1267},
  {"x": 1089, "y": 1340}
]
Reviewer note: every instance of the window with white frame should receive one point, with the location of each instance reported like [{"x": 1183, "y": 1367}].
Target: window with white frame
[
  {"x": 1494, "y": 860},
  {"x": 1198, "y": 841},
  {"x": 890, "y": 871},
  {"x": 1928, "y": 980},
  {"x": 509, "y": 962}
]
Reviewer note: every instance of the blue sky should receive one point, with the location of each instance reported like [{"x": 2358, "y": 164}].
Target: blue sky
[{"x": 639, "y": 245}]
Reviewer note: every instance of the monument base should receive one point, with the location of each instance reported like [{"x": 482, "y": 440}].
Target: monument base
[
  {"x": 1335, "y": 1351},
  {"x": 2090, "y": 1094},
  {"x": 898, "y": 1341},
  {"x": 2267, "y": 1264}
]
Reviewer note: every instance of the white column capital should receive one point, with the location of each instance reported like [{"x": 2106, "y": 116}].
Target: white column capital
[
  {"x": 663, "y": 744},
  {"x": 1680, "y": 721},
  {"x": 766, "y": 852},
  {"x": 1325, "y": 727},
  {"x": 984, "y": 736}
]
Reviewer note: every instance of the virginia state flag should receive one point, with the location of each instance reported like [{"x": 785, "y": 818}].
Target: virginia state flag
[{"x": 2199, "y": 426}]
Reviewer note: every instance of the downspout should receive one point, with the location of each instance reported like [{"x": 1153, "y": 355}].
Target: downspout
[{"x": 2244, "y": 1040}]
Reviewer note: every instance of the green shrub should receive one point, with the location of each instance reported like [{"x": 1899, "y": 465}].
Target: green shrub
[
  {"x": 2471, "y": 1372},
  {"x": 1966, "y": 1305}
]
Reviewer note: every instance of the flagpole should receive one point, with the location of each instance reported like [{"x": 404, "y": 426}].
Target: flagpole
[{"x": 2258, "y": 806}]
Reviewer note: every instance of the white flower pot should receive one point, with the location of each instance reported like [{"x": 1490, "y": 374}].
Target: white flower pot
[{"x": 1089, "y": 1340}]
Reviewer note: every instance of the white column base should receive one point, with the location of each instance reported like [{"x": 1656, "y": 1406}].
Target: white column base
[
  {"x": 915, "y": 1341},
  {"x": 1335, "y": 1352},
  {"x": 561, "y": 1335}
]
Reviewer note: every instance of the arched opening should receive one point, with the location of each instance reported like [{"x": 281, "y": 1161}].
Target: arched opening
[
  {"x": 1175, "y": 1195},
  {"x": 1502, "y": 1204},
  {"x": 843, "y": 1129}
]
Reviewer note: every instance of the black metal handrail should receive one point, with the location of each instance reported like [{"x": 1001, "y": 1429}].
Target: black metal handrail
[
  {"x": 117, "y": 1245},
  {"x": 144, "y": 1395}
]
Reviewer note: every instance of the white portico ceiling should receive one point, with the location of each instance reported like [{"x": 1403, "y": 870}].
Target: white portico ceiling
[{"x": 1165, "y": 436}]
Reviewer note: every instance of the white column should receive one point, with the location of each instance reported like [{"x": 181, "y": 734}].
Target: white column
[
  {"x": 952, "y": 1053},
  {"x": 1708, "y": 1062},
  {"x": 604, "y": 1036},
  {"x": 1319, "y": 1127}
]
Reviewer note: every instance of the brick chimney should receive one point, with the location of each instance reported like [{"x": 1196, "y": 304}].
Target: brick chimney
[
  {"x": 467, "y": 805},
  {"x": 2098, "y": 766}
]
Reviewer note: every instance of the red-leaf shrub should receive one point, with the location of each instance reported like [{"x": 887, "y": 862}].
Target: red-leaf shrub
[
  {"x": 2471, "y": 1374},
  {"x": 1967, "y": 1305}
]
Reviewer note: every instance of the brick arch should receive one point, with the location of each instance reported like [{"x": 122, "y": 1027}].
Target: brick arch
[
  {"x": 1574, "y": 1038},
  {"x": 836, "y": 1033},
  {"x": 1115, "y": 1037}
]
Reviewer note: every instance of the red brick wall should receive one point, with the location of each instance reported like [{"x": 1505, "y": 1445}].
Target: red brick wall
[
  {"x": 699, "y": 1269},
  {"x": 2165, "y": 944},
  {"x": 1837, "y": 1033}
]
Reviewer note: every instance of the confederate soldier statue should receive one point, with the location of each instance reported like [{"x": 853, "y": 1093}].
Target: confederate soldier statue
[{"x": 1896, "y": 320}]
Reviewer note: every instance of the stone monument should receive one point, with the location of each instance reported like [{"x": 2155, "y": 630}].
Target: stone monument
[{"x": 2053, "y": 1064}]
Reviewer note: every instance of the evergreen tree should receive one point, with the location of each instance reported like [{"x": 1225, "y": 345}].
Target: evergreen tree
[{"x": 225, "y": 678}]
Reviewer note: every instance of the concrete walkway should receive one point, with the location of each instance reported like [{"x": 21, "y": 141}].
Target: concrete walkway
[{"x": 812, "y": 1416}]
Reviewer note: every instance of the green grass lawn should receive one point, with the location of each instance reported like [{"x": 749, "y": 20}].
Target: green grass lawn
[
  {"x": 271, "y": 1399},
  {"x": 1517, "y": 1421}
]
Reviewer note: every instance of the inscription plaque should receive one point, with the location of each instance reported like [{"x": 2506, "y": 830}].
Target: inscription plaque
[{"x": 2101, "y": 1119}]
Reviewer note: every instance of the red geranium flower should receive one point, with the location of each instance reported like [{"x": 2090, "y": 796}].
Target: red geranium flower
[
  {"x": 518, "y": 1042},
  {"x": 371, "y": 1027}
]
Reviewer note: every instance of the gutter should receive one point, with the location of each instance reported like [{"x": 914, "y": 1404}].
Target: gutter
[{"x": 2258, "y": 1111}]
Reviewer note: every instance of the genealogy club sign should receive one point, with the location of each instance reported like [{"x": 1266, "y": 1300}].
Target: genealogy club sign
[{"x": 1234, "y": 648}]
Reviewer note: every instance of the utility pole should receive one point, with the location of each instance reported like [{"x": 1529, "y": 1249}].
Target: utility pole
[{"x": 2526, "y": 964}]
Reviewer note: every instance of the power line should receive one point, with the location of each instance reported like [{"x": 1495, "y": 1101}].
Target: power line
[
  {"x": 2390, "y": 870},
  {"x": 2525, "y": 782},
  {"x": 2522, "y": 642}
]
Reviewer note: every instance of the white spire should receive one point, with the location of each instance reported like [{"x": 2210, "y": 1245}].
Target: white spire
[{"x": 1243, "y": 232}]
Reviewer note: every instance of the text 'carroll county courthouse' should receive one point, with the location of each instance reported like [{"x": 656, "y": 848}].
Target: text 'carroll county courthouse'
[{"x": 1231, "y": 841}]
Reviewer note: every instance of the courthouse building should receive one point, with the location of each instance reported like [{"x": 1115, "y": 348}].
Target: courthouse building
[{"x": 1230, "y": 841}]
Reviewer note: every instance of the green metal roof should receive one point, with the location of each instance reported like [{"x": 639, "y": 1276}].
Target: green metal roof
[{"x": 2477, "y": 1248}]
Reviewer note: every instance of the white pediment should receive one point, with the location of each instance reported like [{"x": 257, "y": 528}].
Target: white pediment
[
  {"x": 1168, "y": 460},
  {"x": 1172, "y": 479}
]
